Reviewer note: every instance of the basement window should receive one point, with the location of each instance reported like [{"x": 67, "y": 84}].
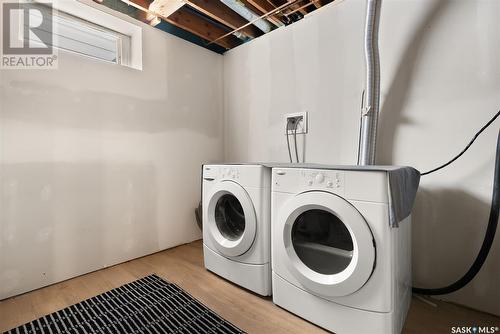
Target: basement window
[
  {"x": 89, "y": 32},
  {"x": 85, "y": 38}
]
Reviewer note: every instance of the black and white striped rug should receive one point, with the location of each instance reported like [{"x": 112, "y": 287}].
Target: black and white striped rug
[{"x": 149, "y": 305}]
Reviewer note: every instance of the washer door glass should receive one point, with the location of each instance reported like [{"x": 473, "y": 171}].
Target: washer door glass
[
  {"x": 229, "y": 217},
  {"x": 322, "y": 242}
]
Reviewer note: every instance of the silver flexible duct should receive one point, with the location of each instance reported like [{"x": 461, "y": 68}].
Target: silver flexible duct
[
  {"x": 370, "y": 111},
  {"x": 248, "y": 14}
]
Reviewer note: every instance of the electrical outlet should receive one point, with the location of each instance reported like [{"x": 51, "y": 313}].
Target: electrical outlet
[{"x": 290, "y": 119}]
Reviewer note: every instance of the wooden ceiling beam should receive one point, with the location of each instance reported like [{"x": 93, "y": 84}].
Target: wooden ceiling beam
[
  {"x": 315, "y": 4},
  {"x": 297, "y": 7},
  {"x": 141, "y": 3},
  {"x": 225, "y": 15},
  {"x": 212, "y": 20},
  {"x": 195, "y": 24},
  {"x": 306, "y": 7},
  {"x": 301, "y": 7},
  {"x": 261, "y": 7},
  {"x": 141, "y": 15}
]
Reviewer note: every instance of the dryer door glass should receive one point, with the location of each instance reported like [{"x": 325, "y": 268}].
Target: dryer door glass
[
  {"x": 322, "y": 241},
  {"x": 328, "y": 245},
  {"x": 229, "y": 217}
]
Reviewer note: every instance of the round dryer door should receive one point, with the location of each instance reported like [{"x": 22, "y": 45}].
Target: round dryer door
[
  {"x": 328, "y": 242},
  {"x": 231, "y": 219}
]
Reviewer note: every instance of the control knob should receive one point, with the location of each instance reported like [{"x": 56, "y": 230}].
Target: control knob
[{"x": 320, "y": 178}]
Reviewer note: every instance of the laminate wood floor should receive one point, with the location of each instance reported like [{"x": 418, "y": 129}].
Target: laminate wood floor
[{"x": 184, "y": 265}]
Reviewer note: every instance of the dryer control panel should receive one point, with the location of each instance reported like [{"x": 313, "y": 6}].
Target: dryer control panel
[{"x": 296, "y": 180}]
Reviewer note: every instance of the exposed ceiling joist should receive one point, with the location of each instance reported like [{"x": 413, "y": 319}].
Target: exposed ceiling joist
[
  {"x": 262, "y": 7},
  {"x": 221, "y": 13},
  {"x": 218, "y": 25},
  {"x": 292, "y": 7},
  {"x": 143, "y": 16},
  {"x": 302, "y": 9},
  {"x": 165, "y": 8},
  {"x": 195, "y": 24},
  {"x": 266, "y": 15}
]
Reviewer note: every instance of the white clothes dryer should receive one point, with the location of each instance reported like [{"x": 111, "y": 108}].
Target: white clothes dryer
[{"x": 336, "y": 259}]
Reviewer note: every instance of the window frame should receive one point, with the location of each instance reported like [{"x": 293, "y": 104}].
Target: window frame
[{"x": 108, "y": 23}]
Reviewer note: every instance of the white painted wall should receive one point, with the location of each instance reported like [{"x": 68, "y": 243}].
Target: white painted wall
[
  {"x": 440, "y": 84},
  {"x": 100, "y": 163}
]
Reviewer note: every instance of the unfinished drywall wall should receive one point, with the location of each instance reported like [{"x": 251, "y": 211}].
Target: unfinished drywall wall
[
  {"x": 100, "y": 163},
  {"x": 440, "y": 84}
]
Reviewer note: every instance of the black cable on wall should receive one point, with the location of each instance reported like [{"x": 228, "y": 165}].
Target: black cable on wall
[{"x": 490, "y": 230}]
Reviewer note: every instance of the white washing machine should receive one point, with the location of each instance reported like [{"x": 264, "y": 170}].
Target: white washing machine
[
  {"x": 336, "y": 261},
  {"x": 236, "y": 224}
]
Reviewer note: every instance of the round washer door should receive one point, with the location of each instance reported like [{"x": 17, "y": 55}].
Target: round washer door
[
  {"x": 329, "y": 246},
  {"x": 231, "y": 218}
]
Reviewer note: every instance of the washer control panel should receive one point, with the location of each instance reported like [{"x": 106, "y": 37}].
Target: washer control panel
[
  {"x": 211, "y": 173},
  {"x": 296, "y": 179},
  {"x": 248, "y": 175},
  {"x": 230, "y": 173}
]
